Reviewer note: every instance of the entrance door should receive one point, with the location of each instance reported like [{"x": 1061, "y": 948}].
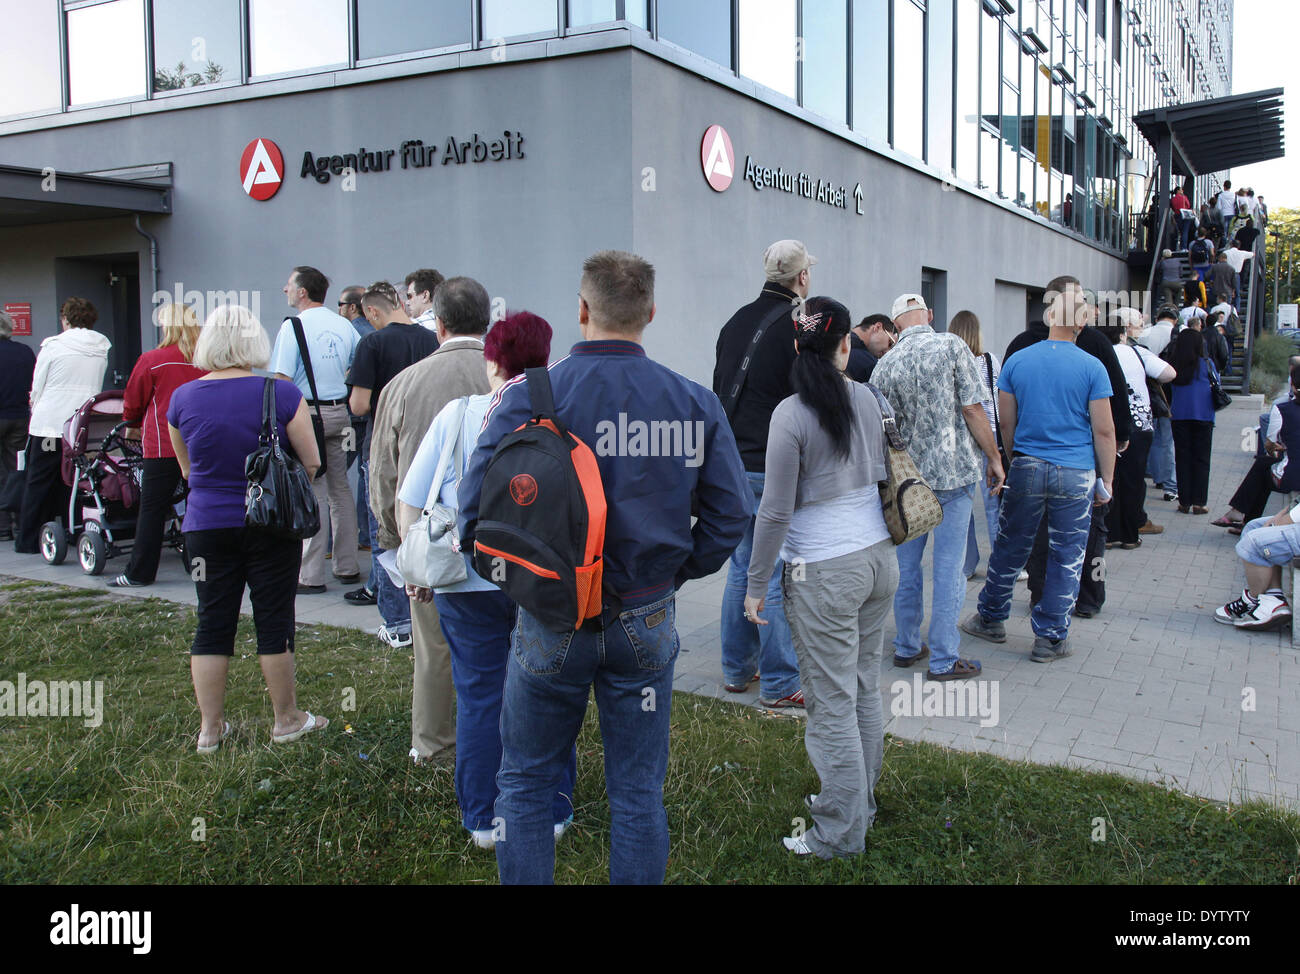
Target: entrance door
[{"x": 111, "y": 283}]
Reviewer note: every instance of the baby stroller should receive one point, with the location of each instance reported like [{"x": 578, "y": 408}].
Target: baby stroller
[{"x": 104, "y": 469}]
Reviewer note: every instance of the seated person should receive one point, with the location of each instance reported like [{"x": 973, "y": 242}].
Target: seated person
[
  {"x": 1269, "y": 472},
  {"x": 1266, "y": 545}
]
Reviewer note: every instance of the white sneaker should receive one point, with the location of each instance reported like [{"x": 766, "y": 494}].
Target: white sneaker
[
  {"x": 798, "y": 846},
  {"x": 1272, "y": 612},
  {"x": 1238, "y": 608},
  {"x": 394, "y": 639},
  {"x": 1023, "y": 576},
  {"x": 562, "y": 827},
  {"x": 484, "y": 838}
]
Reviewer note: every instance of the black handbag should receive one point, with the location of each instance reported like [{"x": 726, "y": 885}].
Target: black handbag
[
  {"x": 279, "y": 499},
  {"x": 317, "y": 423},
  {"x": 1218, "y": 397}
]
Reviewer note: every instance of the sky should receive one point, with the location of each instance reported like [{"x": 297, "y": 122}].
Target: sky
[{"x": 1264, "y": 55}]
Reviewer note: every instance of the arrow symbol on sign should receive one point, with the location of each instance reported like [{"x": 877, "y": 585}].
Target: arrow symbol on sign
[{"x": 857, "y": 195}]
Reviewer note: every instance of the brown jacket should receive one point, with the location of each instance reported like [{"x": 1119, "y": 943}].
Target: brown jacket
[{"x": 406, "y": 411}]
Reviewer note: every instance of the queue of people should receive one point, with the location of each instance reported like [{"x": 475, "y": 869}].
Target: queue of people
[{"x": 787, "y": 489}]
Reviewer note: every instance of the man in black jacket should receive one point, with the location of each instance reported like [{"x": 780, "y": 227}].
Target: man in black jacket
[
  {"x": 755, "y": 353},
  {"x": 869, "y": 339},
  {"x": 1092, "y": 582}
]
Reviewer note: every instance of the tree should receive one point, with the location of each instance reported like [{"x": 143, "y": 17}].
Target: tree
[
  {"x": 1286, "y": 223},
  {"x": 181, "y": 77}
]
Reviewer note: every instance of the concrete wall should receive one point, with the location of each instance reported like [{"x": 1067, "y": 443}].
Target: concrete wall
[{"x": 592, "y": 124}]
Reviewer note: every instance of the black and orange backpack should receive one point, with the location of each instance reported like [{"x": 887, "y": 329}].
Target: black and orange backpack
[{"x": 541, "y": 523}]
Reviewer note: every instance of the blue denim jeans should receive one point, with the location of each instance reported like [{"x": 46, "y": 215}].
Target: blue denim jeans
[
  {"x": 477, "y": 626},
  {"x": 1160, "y": 461},
  {"x": 949, "y": 583},
  {"x": 394, "y": 606},
  {"x": 549, "y": 678},
  {"x": 1065, "y": 494},
  {"x": 746, "y": 647},
  {"x": 992, "y": 506}
]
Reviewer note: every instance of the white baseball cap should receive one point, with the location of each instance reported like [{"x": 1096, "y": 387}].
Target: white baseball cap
[{"x": 901, "y": 303}]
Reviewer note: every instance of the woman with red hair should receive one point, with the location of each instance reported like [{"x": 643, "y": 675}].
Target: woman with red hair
[{"x": 476, "y": 616}]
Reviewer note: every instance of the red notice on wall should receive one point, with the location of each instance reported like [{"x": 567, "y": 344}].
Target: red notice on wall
[{"x": 21, "y": 312}]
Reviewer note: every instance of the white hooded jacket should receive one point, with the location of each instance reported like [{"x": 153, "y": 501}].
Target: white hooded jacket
[{"x": 69, "y": 370}]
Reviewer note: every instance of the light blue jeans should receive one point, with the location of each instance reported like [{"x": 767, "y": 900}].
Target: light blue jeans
[
  {"x": 1066, "y": 495},
  {"x": 949, "y": 584},
  {"x": 992, "y": 508},
  {"x": 746, "y": 647},
  {"x": 1160, "y": 461}
]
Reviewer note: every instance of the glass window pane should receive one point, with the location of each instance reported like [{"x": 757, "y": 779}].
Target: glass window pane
[
  {"x": 702, "y": 26},
  {"x": 29, "y": 59},
  {"x": 194, "y": 44},
  {"x": 767, "y": 43},
  {"x": 938, "y": 90},
  {"x": 636, "y": 12},
  {"x": 825, "y": 58},
  {"x": 106, "y": 52},
  {"x": 507, "y": 18},
  {"x": 968, "y": 88},
  {"x": 871, "y": 68},
  {"x": 990, "y": 36},
  {"x": 909, "y": 78},
  {"x": 593, "y": 12},
  {"x": 293, "y": 35},
  {"x": 399, "y": 26},
  {"x": 1010, "y": 141}
]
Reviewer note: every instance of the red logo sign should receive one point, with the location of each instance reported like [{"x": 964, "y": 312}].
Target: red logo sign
[
  {"x": 717, "y": 157},
  {"x": 523, "y": 489},
  {"x": 21, "y": 312},
  {"x": 261, "y": 169}
]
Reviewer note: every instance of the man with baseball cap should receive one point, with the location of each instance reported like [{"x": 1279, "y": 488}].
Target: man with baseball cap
[
  {"x": 930, "y": 379},
  {"x": 751, "y": 376}
]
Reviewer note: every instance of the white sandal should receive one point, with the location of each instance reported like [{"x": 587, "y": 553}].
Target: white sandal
[
  {"x": 313, "y": 723},
  {"x": 212, "y": 748}
]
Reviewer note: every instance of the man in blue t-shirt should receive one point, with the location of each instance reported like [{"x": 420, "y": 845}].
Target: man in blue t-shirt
[{"x": 1054, "y": 400}]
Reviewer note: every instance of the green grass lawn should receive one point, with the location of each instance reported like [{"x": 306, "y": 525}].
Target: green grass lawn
[{"x": 122, "y": 803}]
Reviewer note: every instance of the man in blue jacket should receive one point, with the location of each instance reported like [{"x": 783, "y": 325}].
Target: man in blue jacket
[{"x": 607, "y": 383}]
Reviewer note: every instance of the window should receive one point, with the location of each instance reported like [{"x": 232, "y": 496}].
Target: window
[
  {"x": 29, "y": 60},
  {"x": 106, "y": 52},
  {"x": 386, "y": 27},
  {"x": 968, "y": 90},
  {"x": 825, "y": 58},
  {"x": 583, "y": 12},
  {"x": 295, "y": 35},
  {"x": 195, "y": 44},
  {"x": 702, "y": 26},
  {"x": 938, "y": 83},
  {"x": 870, "y": 67},
  {"x": 512, "y": 18},
  {"x": 909, "y": 78},
  {"x": 768, "y": 49}
]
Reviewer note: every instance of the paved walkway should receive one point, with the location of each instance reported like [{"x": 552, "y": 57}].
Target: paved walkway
[{"x": 1156, "y": 689}]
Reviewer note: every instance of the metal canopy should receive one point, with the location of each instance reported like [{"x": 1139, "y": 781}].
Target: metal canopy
[
  {"x": 1222, "y": 133},
  {"x": 33, "y": 196}
]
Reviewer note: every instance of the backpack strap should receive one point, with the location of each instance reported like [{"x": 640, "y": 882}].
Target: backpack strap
[
  {"x": 542, "y": 398},
  {"x": 738, "y": 380}
]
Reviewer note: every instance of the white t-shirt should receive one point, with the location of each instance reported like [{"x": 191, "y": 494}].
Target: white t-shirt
[
  {"x": 1227, "y": 203},
  {"x": 332, "y": 344},
  {"x": 1272, "y": 432},
  {"x": 1187, "y": 314},
  {"x": 1136, "y": 367},
  {"x": 1157, "y": 337},
  {"x": 1237, "y": 258}
]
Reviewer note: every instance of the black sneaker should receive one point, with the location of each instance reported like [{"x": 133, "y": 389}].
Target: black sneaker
[
  {"x": 310, "y": 589},
  {"x": 361, "y": 596}
]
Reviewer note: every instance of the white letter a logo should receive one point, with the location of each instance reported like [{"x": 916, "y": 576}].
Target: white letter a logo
[
  {"x": 260, "y": 169},
  {"x": 718, "y": 163}
]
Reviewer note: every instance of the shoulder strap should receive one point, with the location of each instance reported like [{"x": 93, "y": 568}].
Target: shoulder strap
[
  {"x": 269, "y": 432},
  {"x": 892, "y": 436},
  {"x": 452, "y": 445},
  {"x": 993, "y": 392},
  {"x": 542, "y": 398},
  {"x": 306, "y": 358},
  {"x": 738, "y": 381}
]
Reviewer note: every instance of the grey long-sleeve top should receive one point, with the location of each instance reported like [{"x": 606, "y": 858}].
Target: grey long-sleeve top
[{"x": 803, "y": 468}]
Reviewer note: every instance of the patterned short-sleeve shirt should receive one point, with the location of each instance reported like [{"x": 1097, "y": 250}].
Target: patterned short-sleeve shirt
[{"x": 928, "y": 377}]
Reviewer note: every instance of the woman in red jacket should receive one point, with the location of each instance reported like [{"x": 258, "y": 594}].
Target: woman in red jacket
[{"x": 155, "y": 377}]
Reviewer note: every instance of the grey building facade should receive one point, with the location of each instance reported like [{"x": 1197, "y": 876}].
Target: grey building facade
[{"x": 534, "y": 133}]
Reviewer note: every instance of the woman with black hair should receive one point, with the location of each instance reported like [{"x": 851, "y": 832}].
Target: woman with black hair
[
  {"x": 821, "y": 510},
  {"x": 1192, "y": 418}
]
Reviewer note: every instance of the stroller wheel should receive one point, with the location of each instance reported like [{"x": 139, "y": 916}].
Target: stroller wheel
[
  {"x": 54, "y": 543},
  {"x": 92, "y": 552}
]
